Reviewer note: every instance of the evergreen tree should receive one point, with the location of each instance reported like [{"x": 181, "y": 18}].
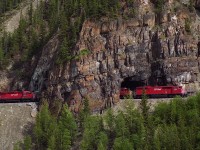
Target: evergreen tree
[
  {"x": 122, "y": 144},
  {"x": 102, "y": 141},
  {"x": 144, "y": 108},
  {"x": 30, "y": 13},
  {"x": 66, "y": 140},
  {"x": 110, "y": 121},
  {"x": 121, "y": 127},
  {"x": 92, "y": 129},
  {"x": 45, "y": 127},
  {"x": 1, "y": 52},
  {"x": 27, "y": 143},
  {"x": 67, "y": 121},
  {"x": 64, "y": 55},
  {"x": 17, "y": 146},
  {"x": 51, "y": 143},
  {"x": 86, "y": 108}
]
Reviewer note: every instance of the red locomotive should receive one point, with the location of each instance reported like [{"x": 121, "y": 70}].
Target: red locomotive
[
  {"x": 125, "y": 92},
  {"x": 17, "y": 96},
  {"x": 160, "y": 91}
]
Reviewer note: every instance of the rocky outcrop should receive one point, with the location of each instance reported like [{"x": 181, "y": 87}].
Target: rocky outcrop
[
  {"x": 149, "y": 48},
  {"x": 197, "y": 4},
  {"x": 44, "y": 64}
]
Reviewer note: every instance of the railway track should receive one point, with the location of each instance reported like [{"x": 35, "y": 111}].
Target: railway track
[{"x": 18, "y": 102}]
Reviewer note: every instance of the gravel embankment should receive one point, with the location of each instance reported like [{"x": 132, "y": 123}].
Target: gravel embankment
[
  {"x": 12, "y": 22},
  {"x": 16, "y": 119}
]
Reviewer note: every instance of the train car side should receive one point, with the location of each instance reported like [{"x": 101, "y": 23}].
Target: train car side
[
  {"x": 17, "y": 96},
  {"x": 125, "y": 92},
  {"x": 160, "y": 91},
  {"x": 28, "y": 95},
  {"x": 178, "y": 90}
]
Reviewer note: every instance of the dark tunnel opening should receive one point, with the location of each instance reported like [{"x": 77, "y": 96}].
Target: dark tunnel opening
[
  {"x": 131, "y": 84},
  {"x": 66, "y": 95}
]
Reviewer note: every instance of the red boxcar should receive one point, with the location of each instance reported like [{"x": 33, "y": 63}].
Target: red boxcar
[
  {"x": 17, "y": 95},
  {"x": 125, "y": 92},
  {"x": 155, "y": 91}
]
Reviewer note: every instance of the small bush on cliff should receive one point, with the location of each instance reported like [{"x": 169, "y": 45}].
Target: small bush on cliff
[
  {"x": 159, "y": 4},
  {"x": 188, "y": 25},
  {"x": 64, "y": 54},
  {"x": 82, "y": 53},
  {"x": 191, "y": 5}
]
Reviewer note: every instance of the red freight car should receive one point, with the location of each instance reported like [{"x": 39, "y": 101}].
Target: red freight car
[
  {"x": 125, "y": 92},
  {"x": 158, "y": 91},
  {"x": 17, "y": 96}
]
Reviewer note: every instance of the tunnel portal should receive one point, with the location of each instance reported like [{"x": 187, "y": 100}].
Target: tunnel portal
[{"x": 132, "y": 83}]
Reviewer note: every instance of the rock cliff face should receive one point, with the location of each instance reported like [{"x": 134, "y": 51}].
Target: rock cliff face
[{"x": 150, "y": 48}]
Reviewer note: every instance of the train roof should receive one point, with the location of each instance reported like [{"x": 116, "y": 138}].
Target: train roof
[
  {"x": 141, "y": 87},
  {"x": 15, "y": 92}
]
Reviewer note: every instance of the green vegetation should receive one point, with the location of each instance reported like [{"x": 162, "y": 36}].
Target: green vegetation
[
  {"x": 173, "y": 125},
  {"x": 188, "y": 25},
  {"x": 191, "y": 5},
  {"x": 159, "y": 5},
  {"x": 6, "y": 5},
  {"x": 64, "y": 17},
  {"x": 54, "y": 133}
]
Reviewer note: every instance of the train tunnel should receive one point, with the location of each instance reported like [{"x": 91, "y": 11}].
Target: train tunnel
[
  {"x": 131, "y": 83},
  {"x": 66, "y": 95}
]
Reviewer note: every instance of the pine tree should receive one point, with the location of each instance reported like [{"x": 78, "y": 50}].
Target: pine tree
[
  {"x": 45, "y": 127},
  {"x": 64, "y": 55},
  {"x": 110, "y": 121},
  {"x": 30, "y": 14},
  {"x": 92, "y": 128},
  {"x": 156, "y": 138},
  {"x": 144, "y": 108},
  {"x": 66, "y": 140},
  {"x": 1, "y": 52},
  {"x": 51, "y": 143},
  {"x": 27, "y": 143},
  {"x": 102, "y": 141},
  {"x": 86, "y": 108},
  {"x": 67, "y": 123},
  {"x": 122, "y": 144},
  {"x": 17, "y": 146},
  {"x": 121, "y": 126}
]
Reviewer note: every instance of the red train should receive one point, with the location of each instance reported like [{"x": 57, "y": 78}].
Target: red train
[
  {"x": 160, "y": 91},
  {"x": 157, "y": 91},
  {"x": 125, "y": 93},
  {"x": 17, "y": 96}
]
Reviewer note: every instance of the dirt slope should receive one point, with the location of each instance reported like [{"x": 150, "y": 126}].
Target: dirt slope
[
  {"x": 15, "y": 123},
  {"x": 13, "y": 22}
]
